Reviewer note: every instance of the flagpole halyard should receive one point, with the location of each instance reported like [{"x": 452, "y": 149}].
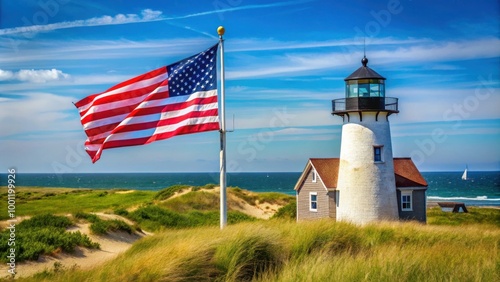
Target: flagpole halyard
[{"x": 223, "y": 193}]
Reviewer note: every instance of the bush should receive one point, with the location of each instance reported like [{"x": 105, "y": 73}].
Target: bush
[
  {"x": 121, "y": 211},
  {"x": 42, "y": 235},
  {"x": 100, "y": 227},
  {"x": 169, "y": 192},
  {"x": 287, "y": 212},
  {"x": 209, "y": 186},
  {"x": 46, "y": 220}
]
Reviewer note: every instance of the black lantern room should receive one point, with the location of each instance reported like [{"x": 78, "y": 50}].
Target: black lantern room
[{"x": 364, "y": 91}]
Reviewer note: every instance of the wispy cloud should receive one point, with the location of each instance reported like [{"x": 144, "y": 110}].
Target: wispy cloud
[
  {"x": 301, "y": 63},
  {"x": 146, "y": 15},
  {"x": 35, "y": 76}
]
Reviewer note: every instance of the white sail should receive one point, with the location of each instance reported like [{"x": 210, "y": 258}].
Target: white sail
[{"x": 464, "y": 176}]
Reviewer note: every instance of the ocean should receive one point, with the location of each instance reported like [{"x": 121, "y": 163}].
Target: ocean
[{"x": 482, "y": 188}]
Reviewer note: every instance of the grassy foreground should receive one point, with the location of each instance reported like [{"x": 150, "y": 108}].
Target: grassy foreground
[
  {"x": 278, "y": 250},
  {"x": 188, "y": 245}
]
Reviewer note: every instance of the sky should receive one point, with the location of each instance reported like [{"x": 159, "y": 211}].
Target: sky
[{"x": 284, "y": 63}]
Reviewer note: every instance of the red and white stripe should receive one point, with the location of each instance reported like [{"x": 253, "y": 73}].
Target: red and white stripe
[{"x": 140, "y": 111}]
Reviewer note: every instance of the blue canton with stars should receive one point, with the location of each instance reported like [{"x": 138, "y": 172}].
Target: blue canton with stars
[{"x": 194, "y": 74}]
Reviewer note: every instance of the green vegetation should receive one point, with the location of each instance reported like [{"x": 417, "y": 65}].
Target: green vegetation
[
  {"x": 154, "y": 218},
  {"x": 100, "y": 227},
  {"x": 170, "y": 191},
  {"x": 188, "y": 245},
  {"x": 30, "y": 201},
  {"x": 475, "y": 216},
  {"x": 43, "y": 234},
  {"x": 289, "y": 211},
  {"x": 280, "y": 250},
  {"x": 200, "y": 201}
]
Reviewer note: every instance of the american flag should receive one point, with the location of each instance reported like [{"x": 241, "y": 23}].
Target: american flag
[{"x": 173, "y": 100}]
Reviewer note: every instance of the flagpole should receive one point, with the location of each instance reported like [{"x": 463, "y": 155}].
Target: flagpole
[{"x": 223, "y": 194}]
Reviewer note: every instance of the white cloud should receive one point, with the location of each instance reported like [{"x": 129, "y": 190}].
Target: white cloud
[
  {"x": 36, "y": 76},
  {"x": 6, "y": 75},
  {"x": 302, "y": 63},
  {"x": 147, "y": 15}
]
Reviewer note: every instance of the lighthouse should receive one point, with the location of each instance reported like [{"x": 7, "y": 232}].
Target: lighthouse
[{"x": 366, "y": 185}]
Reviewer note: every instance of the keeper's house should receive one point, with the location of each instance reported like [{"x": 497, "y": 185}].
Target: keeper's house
[
  {"x": 318, "y": 196},
  {"x": 366, "y": 183}
]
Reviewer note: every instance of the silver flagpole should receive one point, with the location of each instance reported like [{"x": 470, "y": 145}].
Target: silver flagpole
[{"x": 223, "y": 194}]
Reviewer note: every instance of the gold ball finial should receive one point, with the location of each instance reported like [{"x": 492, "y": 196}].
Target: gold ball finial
[{"x": 221, "y": 30}]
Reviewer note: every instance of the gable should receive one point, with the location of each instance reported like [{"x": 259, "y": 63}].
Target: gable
[{"x": 327, "y": 170}]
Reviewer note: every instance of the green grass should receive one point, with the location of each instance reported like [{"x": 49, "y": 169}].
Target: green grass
[
  {"x": 154, "y": 218},
  {"x": 288, "y": 211},
  {"x": 200, "y": 200},
  {"x": 188, "y": 245},
  {"x": 170, "y": 191},
  {"x": 30, "y": 201},
  {"x": 475, "y": 216},
  {"x": 100, "y": 226},
  {"x": 43, "y": 234},
  {"x": 253, "y": 198},
  {"x": 280, "y": 250}
]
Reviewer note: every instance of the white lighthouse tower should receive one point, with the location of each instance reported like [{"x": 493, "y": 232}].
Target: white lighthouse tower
[{"x": 366, "y": 183}]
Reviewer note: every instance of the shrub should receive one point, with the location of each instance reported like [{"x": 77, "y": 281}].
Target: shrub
[
  {"x": 209, "y": 186},
  {"x": 100, "y": 227},
  {"x": 288, "y": 211},
  {"x": 121, "y": 211},
  {"x": 43, "y": 234},
  {"x": 169, "y": 192}
]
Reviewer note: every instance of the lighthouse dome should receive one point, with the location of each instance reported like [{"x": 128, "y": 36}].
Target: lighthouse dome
[{"x": 364, "y": 72}]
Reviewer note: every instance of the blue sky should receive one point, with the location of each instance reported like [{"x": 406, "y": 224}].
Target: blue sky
[{"x": 285, "y": 62}]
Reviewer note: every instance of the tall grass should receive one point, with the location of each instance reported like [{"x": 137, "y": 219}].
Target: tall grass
[
  {"x": 278, "y": 250},
  {"x": 155, "y": 218}
]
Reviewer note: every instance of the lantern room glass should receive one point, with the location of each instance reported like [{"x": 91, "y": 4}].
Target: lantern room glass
[{"x": 365, "y": 88}]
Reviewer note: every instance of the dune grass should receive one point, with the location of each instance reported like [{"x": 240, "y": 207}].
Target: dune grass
[
  {"x": 100, "y": 226},
  {"x": 188, "y": 245},
  {"x": 279, "y": 250},
  {"x": 43, "y": 234},
  {"x": 30, "y": 201}
]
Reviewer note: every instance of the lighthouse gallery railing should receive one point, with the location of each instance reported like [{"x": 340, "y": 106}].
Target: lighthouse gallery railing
[{"x": 355, "y": 104}]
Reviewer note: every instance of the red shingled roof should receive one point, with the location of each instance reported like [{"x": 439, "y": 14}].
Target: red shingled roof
[
  {"x": 405, "y": 172},
  {"x": 328, "y": 170}
]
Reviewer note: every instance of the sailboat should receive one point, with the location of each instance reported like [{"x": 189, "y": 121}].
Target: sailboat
[{"x": 464, "y": 176}]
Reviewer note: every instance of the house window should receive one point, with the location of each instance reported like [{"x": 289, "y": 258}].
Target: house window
[
  {"x": 314, "y": 175},
  {"x": 313, "y": 201},
  {"x": 377, "y": 154},
  {"x": 406, "y": 201}
]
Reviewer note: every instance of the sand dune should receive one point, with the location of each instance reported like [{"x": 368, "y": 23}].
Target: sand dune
[{"x": 112, "y": 244}]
